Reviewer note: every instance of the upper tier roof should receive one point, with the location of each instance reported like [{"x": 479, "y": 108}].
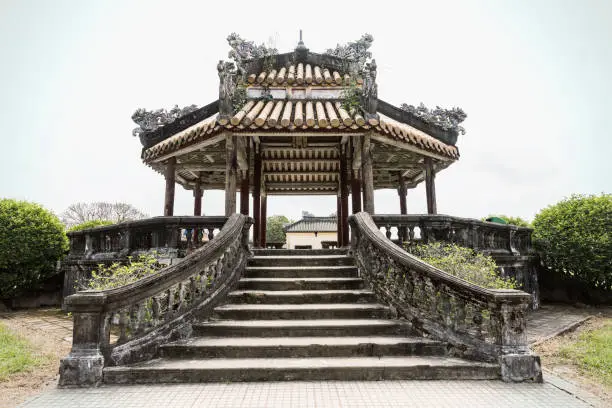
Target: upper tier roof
[{"x": 302, "y": 74}]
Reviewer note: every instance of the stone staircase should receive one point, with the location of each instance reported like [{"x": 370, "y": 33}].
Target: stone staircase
[{"x": 301, "y": 315}]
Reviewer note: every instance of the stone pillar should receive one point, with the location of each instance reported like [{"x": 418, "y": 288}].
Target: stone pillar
[
  {"x": 264, "y": 211},
  {"x": 368, "y": 177},
  {"x": 230, "y": 176},
  {"x": 257, "y": 198},
  {"x": 170, "y": 174},
  {"x": 244, "y": 186},
  {"x": 90, "y": 337},
  {"x": 344, "y": 197},
  {"x": 430, "y": 186},
  {"x": 356, "y": 191}
]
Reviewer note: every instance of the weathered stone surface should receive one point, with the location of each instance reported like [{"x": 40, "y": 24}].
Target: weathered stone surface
[
  {"x": 81, "y": 369},
  {"x": 521, "y": 367}
]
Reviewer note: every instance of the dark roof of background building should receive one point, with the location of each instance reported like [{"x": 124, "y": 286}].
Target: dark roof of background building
[{"x": 313, "y": 224}]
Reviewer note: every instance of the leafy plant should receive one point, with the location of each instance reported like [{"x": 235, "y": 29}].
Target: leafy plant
[
  {"x": 574, "y": 237},
  {"x": 90, "y": 224},
  {"x": 117, "y": 274},
  {"x": 464, "y": 263},
  {"x": 518, "y": 221},
  {"x": 351, "y": 98},
  {"x": 32, "y": 240}
]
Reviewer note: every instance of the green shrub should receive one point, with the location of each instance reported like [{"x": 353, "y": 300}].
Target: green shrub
[
  {"x": 32, "y": 240},
  {"x": 518, "y": 221},
  {"x": 574, "y": 238},
  {"x": 117, "y": 275},
  {"x": 90, "y": 224},
  {"x": 463, "y": 263}
]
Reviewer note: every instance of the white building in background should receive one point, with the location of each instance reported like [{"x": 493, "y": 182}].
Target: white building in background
[{"x": 312, "y": 232}]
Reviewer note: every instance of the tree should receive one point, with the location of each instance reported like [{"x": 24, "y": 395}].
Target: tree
[
  {"x": 32, "y": 240},
  {"x": 89, "y": 224},
  {"x": 274, "y": 228},
  {"x": 115, "y": 212},
  {"x": 574, "y": 237}
]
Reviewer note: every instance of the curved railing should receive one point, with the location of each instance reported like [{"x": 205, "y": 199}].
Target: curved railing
[
  {"x": 127, "y": 324},
  {"x": 477, "y": 323}
]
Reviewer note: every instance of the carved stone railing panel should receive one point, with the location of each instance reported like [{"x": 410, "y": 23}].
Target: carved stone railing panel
[
  {"x": 165, "y": 234},
  {"x": 127, "y": 324},
  {"x": 487, "y": 237},
  {"x": 476, "y": 322}
]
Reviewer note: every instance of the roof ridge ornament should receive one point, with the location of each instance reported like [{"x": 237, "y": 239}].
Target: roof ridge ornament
[
  {"x": 242, "y": 51},
  {"x": 356, "y": 51},
  {"x": 148, "y": 121},
  {"x": 445, "y": 119}
]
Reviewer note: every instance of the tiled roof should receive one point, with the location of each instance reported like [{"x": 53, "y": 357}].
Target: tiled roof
[
  {"x": 301, "y": 74},
  {"x": 299, "y": 115},
  {"x": 313, "y": 224}
]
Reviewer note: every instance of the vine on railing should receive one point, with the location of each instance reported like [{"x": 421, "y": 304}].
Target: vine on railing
[
  {"x": 477, "y": 323},
  {"x": 142, "y": 314}
]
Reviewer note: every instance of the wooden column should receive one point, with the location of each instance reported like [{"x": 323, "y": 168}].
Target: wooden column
[
  {"x": 197, "y": 198},
  {"x": 356, "y": 191},
  {"x": 402, "y": 191},
  {"x": 264, "y": 211},
  {"x": 170, "y": 175},
  {"x": 368, "y": 176},
  {"x": 244, "y": 186},
  {"x": 430, "y": 186},
  {"x": 339, "y": 215},
  {"x": 257, "y": 197},
  {"x": 230, "y": 175},
  {"x": 197, "y": 208},
  {"x": 344, "y": 196}
]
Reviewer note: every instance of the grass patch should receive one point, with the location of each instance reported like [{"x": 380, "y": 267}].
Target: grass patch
[
  {"x": 592, "y": 352},
  {"x": 16, "y": 354}
]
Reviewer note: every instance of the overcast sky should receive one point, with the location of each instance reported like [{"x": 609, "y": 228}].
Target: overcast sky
[{"x": 533, "y": 76}]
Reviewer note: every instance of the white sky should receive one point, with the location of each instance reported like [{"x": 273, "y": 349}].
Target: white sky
[{"x": 533, "y": 76}]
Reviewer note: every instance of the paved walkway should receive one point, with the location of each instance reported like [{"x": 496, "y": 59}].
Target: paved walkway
[
  {"x": 354, "y": 394},
  {"x": 553, "y": 393},
  {"x": 550, "y": 320}
]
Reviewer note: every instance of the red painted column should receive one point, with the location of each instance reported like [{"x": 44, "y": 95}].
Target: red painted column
[
  {"x": 244, "y": 186},
  {"x": 264, "y": 210},
  {"x": 257, "y": 198},
  {"x": 344, "y": 197},
  {"x": 356, "y": 191},
  {"x": 339, "y": 215},
  {"x": 430, "y": 186}
]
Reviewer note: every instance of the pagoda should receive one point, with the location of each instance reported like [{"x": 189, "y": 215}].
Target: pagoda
[{"x": 298, "y": 123}]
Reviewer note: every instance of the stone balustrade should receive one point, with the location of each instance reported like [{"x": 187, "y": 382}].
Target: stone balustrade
[
  {"x": 166, "y": 235},
  {"x": 127, "y": 324},
  {"x": 477, "y": 323},
  {"x": 483, "y": 236}
]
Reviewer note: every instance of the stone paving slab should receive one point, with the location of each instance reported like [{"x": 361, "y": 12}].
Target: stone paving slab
[
  {"x": 548, "y": 320},
  {"x": 354, "y": 394}
]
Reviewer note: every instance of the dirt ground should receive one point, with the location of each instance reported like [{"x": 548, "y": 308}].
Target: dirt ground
[
  {"x": 49, "y": 333},
  {"x": 552, "y": 361}
]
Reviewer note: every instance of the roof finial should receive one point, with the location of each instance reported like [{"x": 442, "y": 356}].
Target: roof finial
[{"x": 301, "y": 50}]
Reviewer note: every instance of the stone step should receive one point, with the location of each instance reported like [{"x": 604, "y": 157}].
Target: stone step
[
  {"x": 165, "y": 370},
  {"x": 301, "y": 260},
  {"x": 301, "y": 296},
  {"x": 299, "y": 252},
  {"x": 341, "y": 271},
  {"x": 302, "y": 347},
  {"x": 301, "y": 328},
  {"x": 300, "y": 283},
  {"x": 307, "y": 311}
]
